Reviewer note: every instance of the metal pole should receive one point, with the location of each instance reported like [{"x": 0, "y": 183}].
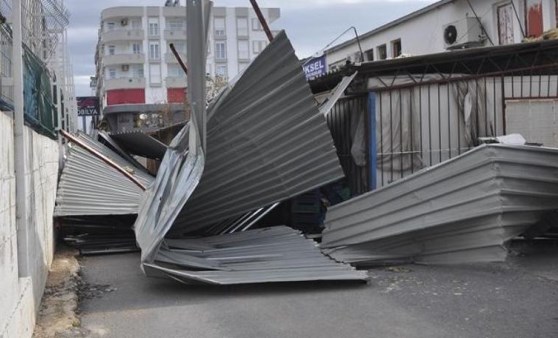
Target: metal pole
[
  {"x": 262, "y": 20},
  {"x": 23, "y": 231},
  {"x": 358, "y": 42},
  {"x": 196, "y": 51}
]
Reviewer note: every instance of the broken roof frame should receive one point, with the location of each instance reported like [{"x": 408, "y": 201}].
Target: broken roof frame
[{"x": 533, "y": 58}]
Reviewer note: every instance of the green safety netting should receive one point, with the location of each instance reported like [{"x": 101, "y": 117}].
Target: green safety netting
[{"x": 39, "y": 108}]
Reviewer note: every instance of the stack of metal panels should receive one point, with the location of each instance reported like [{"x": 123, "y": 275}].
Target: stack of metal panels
[
  {"x": 462, "y": 210},
  {"x": 90, "y": 186},
  {"x": 278, "y": 254}
]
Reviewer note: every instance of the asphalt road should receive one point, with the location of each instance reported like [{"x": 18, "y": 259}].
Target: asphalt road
[{"x": 518, "y": 298}]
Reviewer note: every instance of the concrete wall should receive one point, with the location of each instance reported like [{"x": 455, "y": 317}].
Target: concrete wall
[{"x": 20, "y": 295}]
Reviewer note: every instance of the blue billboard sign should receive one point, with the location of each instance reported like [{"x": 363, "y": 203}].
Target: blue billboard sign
[{"x": 315, "y": 67}]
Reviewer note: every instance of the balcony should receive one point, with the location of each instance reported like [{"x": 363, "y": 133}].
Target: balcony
[
  {"x": 121, "y": 59},
  {"x": 123, "y": 35},
  {"x": 220, "y": 35},
  {"x": 176, "y": 82},
  {"x": 121, "y": 12},
  {"x": 169, "y": 57},
  {"x": 125, "y": 83},
  {"x": 175, "y": 34}
]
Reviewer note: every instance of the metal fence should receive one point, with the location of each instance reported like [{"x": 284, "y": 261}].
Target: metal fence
[{"x": 421, "y": 125}]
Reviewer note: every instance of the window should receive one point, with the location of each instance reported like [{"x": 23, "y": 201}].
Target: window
[
  {"x": 154, "y": 52},
  {"x": 369, "y": 55},
  {"x": 243, "y": 50},
  {"x": 137, "y": 71},
  {"x": 136, "y": 48},
  {"x": 155, "y": 74},
  {"x": 153, "y": 26},
  {"x": 136, "y": 23},
  {"x": 175, "y": 70},
  {"x": 382, "y": 52},
  {"x": 258, "y": 46},
  {"x": 180, "y": 47},
  {"x": 242, "y": 26},
  {"x": 110, "y": 26},
  {"x": 219, "y": 26},
  {"x": 505, "y": 24},
  {"x": 112, "y": 73},
  {"x": 220, "y": 51},
  {"x": 396, "y": 48},
  {"x": 111, "y": 50},
  {"x": 256, "y": 25},
  {"x": 221, "y": 71}
]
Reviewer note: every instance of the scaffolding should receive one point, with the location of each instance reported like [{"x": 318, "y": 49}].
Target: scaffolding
[{"x": 50, "y": 101}]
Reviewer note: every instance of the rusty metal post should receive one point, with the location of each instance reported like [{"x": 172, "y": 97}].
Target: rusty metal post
[{"x": 262, "y": 19}]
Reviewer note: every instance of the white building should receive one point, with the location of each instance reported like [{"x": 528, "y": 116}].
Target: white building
[
  {"x": 429, "y": 30},
  {"x": 135, "y": 65}
]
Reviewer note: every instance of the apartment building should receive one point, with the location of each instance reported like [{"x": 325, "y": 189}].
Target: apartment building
[{"x": 139, "y": 81}]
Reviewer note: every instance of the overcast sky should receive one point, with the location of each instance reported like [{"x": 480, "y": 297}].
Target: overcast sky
[{"x": 310, "y": 24}]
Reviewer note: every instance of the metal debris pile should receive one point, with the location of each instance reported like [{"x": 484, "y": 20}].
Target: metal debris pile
[{"x": 261, "y": 141}]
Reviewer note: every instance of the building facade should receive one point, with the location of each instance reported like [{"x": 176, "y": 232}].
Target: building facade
[
  {"x": 449, "y": 25},
  {"x": 139, "y": 81}
]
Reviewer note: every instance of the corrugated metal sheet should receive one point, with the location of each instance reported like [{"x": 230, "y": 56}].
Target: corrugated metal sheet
[
  {"x": 178, "y": 176},
  {"x": 140, "y": 144},
  {"x": 462, "y": 210},
  {"x": 89, "y": 186},
  {"x": 266, "y": 142},
  {"x": 278, "y": 254},
  {"x": 337, "y": 92}
]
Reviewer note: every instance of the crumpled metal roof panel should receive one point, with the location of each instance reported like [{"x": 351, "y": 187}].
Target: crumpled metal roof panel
[
  {"x": 277, "y": 254},
  {"x": 267, "y": 141},
  {"x": 89, "y": 186},
  {"x": 462, "y": 210}
]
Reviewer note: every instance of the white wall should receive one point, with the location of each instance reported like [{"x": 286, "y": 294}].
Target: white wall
[
  {"x": 20, "y": 297},
  {"x": 424, "y": 34}
]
